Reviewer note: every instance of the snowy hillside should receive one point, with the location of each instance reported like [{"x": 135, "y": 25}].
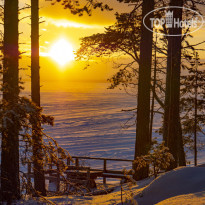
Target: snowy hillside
[
  {"x": 180, "y": 181},
  {"x": 188, "y": 199},
  {"x": 185, "y": 185},
  {"x": 89, "y": 124}
]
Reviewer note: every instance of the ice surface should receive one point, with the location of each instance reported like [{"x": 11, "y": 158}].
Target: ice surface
[{"x": 89, "y": 122}]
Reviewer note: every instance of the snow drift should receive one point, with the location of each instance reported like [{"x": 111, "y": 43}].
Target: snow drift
[{"x": 180, "y": 181}]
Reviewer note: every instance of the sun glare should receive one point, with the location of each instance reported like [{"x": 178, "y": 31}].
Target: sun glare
[{"x": 62, "y": 52}]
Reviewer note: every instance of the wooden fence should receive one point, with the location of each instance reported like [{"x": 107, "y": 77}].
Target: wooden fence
[
  {"x": 106, "y": 173},
  {"x": 113, "y": 174}
]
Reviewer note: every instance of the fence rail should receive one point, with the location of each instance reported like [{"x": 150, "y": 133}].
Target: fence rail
[
  {"x": 104, "y": 169},
  {"x": 105, "y": 172}
]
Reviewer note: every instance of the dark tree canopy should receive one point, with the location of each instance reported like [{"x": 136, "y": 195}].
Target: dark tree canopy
[{"x": 77, "y": 7}]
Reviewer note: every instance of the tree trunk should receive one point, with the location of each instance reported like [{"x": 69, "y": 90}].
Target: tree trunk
[
  {"x": 142, "y": 144},
  {"x": 10, "y": 183},
  {"x": 153, "y": 90},
  {"x": 172, "y": 126},
  {"x": 39, "y": 178}
]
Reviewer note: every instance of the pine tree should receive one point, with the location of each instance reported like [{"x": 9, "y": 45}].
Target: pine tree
[
  {"x": 158, "y": 157},
  {"x": 193, "y": 104},
  {"x": 39, "y": 179},
  {"x": 81, "y": 7},
  {"x": 10, "y": 184},
  {"x": 143, "y": 143},
  {"x": 172, "y": 132}
]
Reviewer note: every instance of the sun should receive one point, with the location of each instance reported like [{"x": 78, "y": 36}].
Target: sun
[{"x": 62, "y": 52}]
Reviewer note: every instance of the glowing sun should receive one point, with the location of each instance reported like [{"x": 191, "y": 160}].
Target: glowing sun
[{"x": 62, "y": 52}]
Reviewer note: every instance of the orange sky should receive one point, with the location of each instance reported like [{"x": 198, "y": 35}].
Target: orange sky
[{"x": 58, "y": 24}]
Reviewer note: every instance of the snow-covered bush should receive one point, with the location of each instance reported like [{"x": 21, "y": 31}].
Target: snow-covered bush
[{"x": 158, "y": 157}]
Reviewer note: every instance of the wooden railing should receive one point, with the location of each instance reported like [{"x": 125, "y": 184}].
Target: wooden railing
[{"x": 104, "y": 168}]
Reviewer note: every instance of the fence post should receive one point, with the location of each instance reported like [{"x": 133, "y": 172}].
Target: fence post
[
  {"x": 50, "y": 168},
  {"x": 58, "y": 178},
  {"x": 29, "y": 178},
  {"x": 104, "y": 170},
  {"x": 77, "y": 162},
  {"x": 29, "y": 171},
  {"x": 88, "y": 178},
  {"x": 68, "y": 161}
]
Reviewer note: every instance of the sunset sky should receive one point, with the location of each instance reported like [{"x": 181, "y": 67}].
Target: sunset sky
[{"x": 60, "y": 26}]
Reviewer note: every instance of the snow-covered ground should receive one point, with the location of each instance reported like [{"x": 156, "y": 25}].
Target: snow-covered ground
[
  {"x": 185, "y": 185},
  {"x": 188, "y": 199},
  {"x": 181, "y": 181},
  {"x": 90, "y": 124},
  {"x": 182, "y": 186}
]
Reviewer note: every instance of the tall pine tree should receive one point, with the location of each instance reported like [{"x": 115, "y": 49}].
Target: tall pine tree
[
  {"x": 172, "y": 131},
  {"x": 10, "y": 183},
  {"x": 143, "y": 142},
  {"x": 39, "y": 179}
]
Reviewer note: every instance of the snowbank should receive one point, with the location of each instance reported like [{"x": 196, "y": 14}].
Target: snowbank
[
  {"x": 113, "y": 198},
  {"x": 184, "y": 185},
  {"x": 180, "y": 181},
  {"x": 189, "y": 199}
]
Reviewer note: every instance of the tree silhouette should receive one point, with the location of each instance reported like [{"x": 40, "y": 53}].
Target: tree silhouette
[
  {"x": 172, "y": 132},
  {"x": 143, "y": 143},
  {"x": 10, "y": 184},
  {"x": 39, "y": 179},
  {"x": 193, "y": 104}
]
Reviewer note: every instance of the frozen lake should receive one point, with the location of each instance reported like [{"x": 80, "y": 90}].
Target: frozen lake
[{"x": 89, "y": 121}]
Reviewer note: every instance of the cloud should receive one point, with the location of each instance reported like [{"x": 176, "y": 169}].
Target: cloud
[
  {"x": 72, "y": 24},
  {"x": 98, "y": 17}
]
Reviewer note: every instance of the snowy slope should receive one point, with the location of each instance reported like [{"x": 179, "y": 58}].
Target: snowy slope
[
  {"x": 108, "y": 199},
  {"x": 185, "y": 185},
  {"x": 177, "y": 182},
  {"x": 182, "y": 186},
  {"x": 90, "y": 124},
  {"x": 189, "y": 199}
]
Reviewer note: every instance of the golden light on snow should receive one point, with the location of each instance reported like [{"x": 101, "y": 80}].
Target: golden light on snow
[{"x": 62, "y": 52}]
